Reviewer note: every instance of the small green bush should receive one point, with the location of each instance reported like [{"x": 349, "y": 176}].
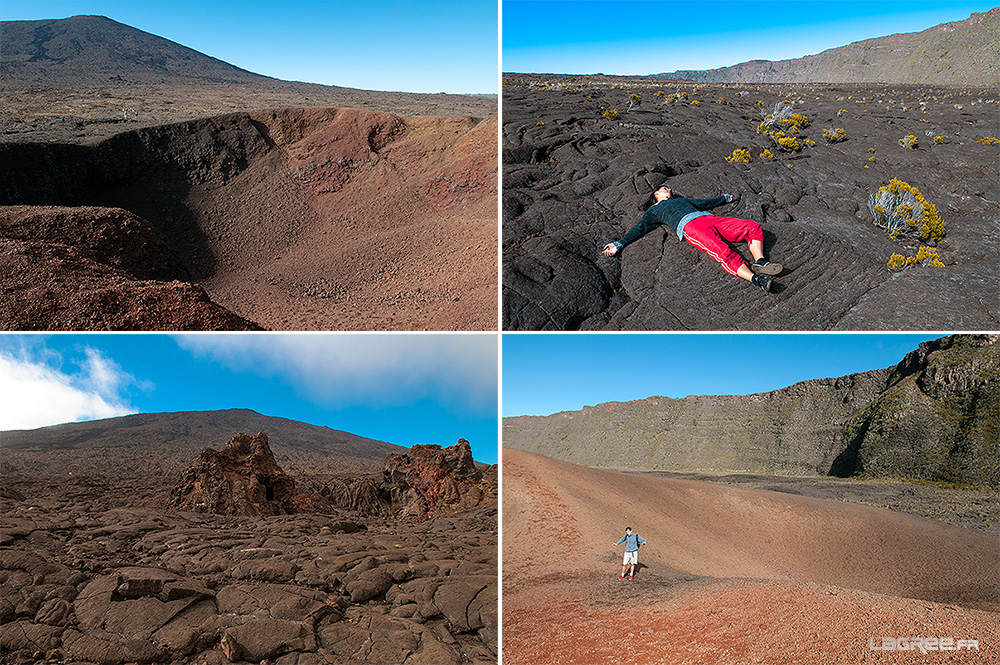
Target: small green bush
[
  {"x": 909, "y": 141},
  {"x": 610, "y": 114}
]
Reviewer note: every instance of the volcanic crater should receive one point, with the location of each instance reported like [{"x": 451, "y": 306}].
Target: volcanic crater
[{"x": 293, "y": 218}]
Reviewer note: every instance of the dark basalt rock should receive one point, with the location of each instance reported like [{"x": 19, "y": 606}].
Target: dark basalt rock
[{"x": 574, "y": 180}]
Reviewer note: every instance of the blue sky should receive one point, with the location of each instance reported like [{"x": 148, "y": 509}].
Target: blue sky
[
  {"x": 548, "y": 373},
  {"x": 428, "y": 46},
  {"x": 400, "y": 388},
  {"x": 651, "y": 36}
]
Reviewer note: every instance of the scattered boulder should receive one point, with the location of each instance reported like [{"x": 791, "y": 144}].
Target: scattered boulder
[{"x": 241, "y": 479}]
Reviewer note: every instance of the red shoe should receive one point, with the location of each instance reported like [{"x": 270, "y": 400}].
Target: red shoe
[
  {"x": 630, "y": 577},
  {"x": 621, "y": 577}
]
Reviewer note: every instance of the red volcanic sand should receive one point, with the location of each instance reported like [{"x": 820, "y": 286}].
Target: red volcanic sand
[
  {"x": 397, "y": 227},
  {"x": 730, "y": 575}
]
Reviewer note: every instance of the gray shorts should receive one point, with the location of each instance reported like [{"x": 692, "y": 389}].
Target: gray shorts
[{"x": 631, "y": 557}]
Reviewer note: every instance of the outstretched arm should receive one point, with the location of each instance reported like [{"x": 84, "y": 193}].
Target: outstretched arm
[
  {"x": 639, "y": 230},
  {"x": 708, "y": 204}
]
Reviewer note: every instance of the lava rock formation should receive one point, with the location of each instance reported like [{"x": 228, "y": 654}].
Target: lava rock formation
[
  {"x": 241, "y": 479},
  {"x": 425, "y": 482}
]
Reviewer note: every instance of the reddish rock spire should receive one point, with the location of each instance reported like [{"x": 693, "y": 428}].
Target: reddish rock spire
[{"x": 241, "y": 479}]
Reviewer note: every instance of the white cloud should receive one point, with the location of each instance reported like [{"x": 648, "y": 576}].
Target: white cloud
[
  {"x": 35, "y": 392},
  {"x": 376, "y": 369}
]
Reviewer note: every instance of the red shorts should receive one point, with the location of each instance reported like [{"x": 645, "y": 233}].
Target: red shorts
[{"x": 710, "y": 233}]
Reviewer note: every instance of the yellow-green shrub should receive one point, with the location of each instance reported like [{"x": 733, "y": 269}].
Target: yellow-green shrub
[
  {"x": 988, "y": 140},
  {"x": 903, "y": 211},
  {"x": 834, "y": 135},
  {"x": 788, "y": 143},
  {"x": 909, "y": 141},
  {"x": 739, "y": 155},
  {"x": 925, "y": 256},
  {"x": 610, "y": 114}
]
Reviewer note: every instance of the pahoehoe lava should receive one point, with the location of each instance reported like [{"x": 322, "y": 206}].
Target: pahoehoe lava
[
  {"x": 575, "y": 180},
  {"x": 299, "y": 218}
]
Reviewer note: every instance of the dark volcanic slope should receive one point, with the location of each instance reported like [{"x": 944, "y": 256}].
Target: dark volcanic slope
[
  {"x": 959, "y": 53},
  {"x": 934, "y": 416},
  {"x": 574, "y": 181},
  {"x": 92, "y": 49},
  {"x": 163, "y": 443}
]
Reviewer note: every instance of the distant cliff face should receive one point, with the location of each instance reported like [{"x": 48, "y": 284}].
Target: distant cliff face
[
  {"x": 938, "y": 418},
  {"x": 959, "y": 53},
  {"x": 934, "y": 415}
]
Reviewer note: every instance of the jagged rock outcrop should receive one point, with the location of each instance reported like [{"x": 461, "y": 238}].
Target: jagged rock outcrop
[
  {"x": 241, "y": 479},
  {"x": 431, "y": 479},
  {"x": 935, "y": 415},
  {"x": 428, "y": 480}
]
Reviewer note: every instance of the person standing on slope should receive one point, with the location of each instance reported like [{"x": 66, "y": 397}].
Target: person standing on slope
[
  {"x": 707, "y": 232},
  {"x": 632, "y": 542}
]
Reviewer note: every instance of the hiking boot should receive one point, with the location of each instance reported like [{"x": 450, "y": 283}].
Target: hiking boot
[
  {"x": 762, "y": 282},
  {"x": 765, "y": 267}
]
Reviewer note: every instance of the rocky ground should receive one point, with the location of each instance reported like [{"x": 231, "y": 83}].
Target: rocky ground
[
  {"x": 574, "y": 180},
  {"x": 734, "y": 574},
  {"x": 70, "y": 113},
  {"x": 99, "y": 569}
]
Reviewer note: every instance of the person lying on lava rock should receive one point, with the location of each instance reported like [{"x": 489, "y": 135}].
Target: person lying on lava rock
[{"x": 707, "y": 232}]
